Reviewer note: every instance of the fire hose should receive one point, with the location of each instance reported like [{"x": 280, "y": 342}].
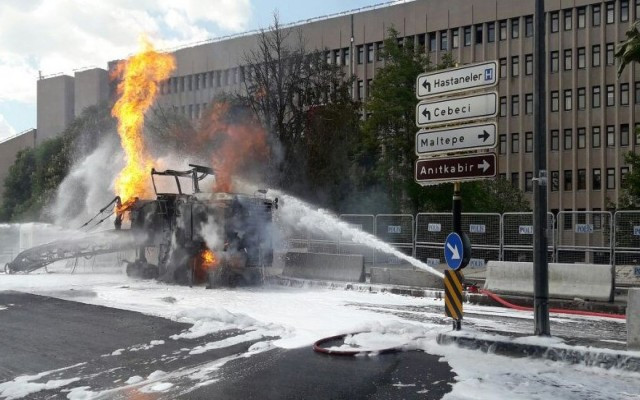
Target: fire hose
[
  {"x": 318, "y": 347},
  {"x": 553, "y": 310}
]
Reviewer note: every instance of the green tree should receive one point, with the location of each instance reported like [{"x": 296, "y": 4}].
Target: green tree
[
  {"x": 387, "y": 146},
  {"x": 36, "y": 173}
]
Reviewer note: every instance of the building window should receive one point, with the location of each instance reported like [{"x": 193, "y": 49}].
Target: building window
[
  {"x": 582, "y": 138},
  {"x": 568, "y": 139},
  {"x": 582, "y": 179},
  {"x": 555, "y": 181},
  {"x": 611, "y": 178},
  {"x": 515, "y": 66},
  {"x": 636, "y": 92},
  {"x": 360, "y": 90},
  {"x": 568, "y": 58},
  {"x": 582, "y": 58},
  {"x": 503, "y": 29},
  {"x": 555, "y": 140},
  {"x": 568, "y": 219},
  {"x": 596, "y": 179},
  {"x": 515, "y": 143},
  {"x": 369, "y": 84},
  {"x": 582, "y": 98},
  {"x": 379, "y": 51},
  {"x": 611, "y": 12},
  {"x": 503, "y": 68},
  {"x": 595, "y": 97},
  {"x": 528, "y": 142},
  {"x": 582, "y": 17},
  {"x": 528, "y": 64},
  {"x": 595, "y": 55},
  {"x": 596, "y": 15},
  {"x": 370, "y": 53},
  {"x": 515, "y": 28},
  {"x": 347, "y": 56},
  {"x": 515, "y": 105},
  {"x": 502, "y": 148},
  {"x": 624, "y": 171},
  {"x": 611, "y": 95},
  {"x": 568, "y": 180},
  {"x": 555, "y": 22},
  {"x": 432, "y": 41},
  {"x": 624, "y": 135},
  {"x": 595, "y": 137},
  {"x": 624, "y": 94},
  {"x": 637, "y": 14},
  {"x": 467, "y": 36},
  {"x": 528, "y": 181},
  {"x": 360, "y": 54},
  {"x": 555, "y": 100},
  {"x": 503, "y": 106},
  {"x": 528, "y": 103},
  {"x": 568, "y": 100},
  {"x": 624, "y": 10},
  {"x": 610, "y": 54},
  {"x": 455, "y": 38},
  {"x": 479, "y": 34},
  {"x": 515, "y": 179},
  {"x": 611, "y": 136},
  {"x": 491, "y": 32},
  {"x": 528, "y": 26},
  {"x": 444, "y": 46},
  {"x": 568, "y": 25},
  {"x": 329, "y": 54},
  {"x": 554, "y": 64}
]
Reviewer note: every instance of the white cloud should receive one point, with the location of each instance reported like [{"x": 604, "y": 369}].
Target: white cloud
[
  {"x": 55, "y": 36},
  {"x": 6, "y": 130}
]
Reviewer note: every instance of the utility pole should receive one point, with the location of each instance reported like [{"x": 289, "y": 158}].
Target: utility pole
[{"x": 540, "y": 264}]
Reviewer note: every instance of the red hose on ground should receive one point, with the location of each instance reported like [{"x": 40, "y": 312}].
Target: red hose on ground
[{"x": 553, "y": 310}]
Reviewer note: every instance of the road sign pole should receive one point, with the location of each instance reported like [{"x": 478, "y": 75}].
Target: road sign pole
[
  {"x": 540, "y": 264},
  {"x": 457, "y": 208}
]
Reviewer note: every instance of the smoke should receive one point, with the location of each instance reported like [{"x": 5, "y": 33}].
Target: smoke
[{"x": 89, "y": 185}]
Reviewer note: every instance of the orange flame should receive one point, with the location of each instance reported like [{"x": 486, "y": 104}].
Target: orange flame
[
  {"x": 238, "y": 144},
  {"x": 137, "y": 90}
]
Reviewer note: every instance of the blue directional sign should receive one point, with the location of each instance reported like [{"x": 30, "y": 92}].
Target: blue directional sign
[{"x": 454, "y": 251}]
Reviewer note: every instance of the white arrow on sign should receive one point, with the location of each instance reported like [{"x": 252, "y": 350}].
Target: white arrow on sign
[
  {"x": 482, "y": 136},
  {"x": 459, "y": 109},
  {"x": 473, "y": 76},
  {"x": 454, "y": 251},
  {"x": 484, "y": 166}
]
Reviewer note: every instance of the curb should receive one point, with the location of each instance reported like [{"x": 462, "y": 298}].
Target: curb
[
  {"x": 507, "y": 347},
  {"x": 471, "y": 298}
]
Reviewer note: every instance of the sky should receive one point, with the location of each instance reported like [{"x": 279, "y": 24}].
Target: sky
[{"x": 54, "y": 36}]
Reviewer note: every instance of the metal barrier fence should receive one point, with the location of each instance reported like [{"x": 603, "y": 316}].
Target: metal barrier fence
[
  {"x": 517, "y": 236},
  {"x": 396, "y": 230},
  {"x": 365, "y": 223},
  {"x": 598, "y": 237},
  {"x": 584, "y": 237},
  {"x": 484, "y": 231},
  {"x": 627, "y": 238}
]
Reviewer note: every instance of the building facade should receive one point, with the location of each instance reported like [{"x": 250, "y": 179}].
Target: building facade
[{"x": 592, "y": 114}]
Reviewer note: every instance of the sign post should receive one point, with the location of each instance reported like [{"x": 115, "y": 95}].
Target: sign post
[{"x": 446, "y": 134}]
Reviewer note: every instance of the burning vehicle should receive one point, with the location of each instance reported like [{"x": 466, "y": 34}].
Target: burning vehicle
[{"x": 218, "y": 238}]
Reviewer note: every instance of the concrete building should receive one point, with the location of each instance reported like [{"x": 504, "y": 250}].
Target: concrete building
[
  {"x": 91, "y": 87},
  {"x": 55, "y": 102},
  {"x": 592, "y": 114}
]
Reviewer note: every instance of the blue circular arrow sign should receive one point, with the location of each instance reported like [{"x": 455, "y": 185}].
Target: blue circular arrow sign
[{"x": 454, "y": 251}]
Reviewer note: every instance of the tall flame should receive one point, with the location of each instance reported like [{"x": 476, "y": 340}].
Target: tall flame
[{"x": 139, "y": 78}]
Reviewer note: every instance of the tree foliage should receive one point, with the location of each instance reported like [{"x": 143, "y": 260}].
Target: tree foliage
[{"x": 37, "y": 172}]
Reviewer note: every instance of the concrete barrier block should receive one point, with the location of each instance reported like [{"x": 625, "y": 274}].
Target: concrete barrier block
[
  {"x": 633, "y": 319},
  {"x": 321, "y": 266},
  {"x": 568, "y": 281},
  {"x": 405, "y": 277}
]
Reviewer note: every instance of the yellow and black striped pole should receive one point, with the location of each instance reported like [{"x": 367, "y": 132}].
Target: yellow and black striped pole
[{"x": 453, "y": 296}]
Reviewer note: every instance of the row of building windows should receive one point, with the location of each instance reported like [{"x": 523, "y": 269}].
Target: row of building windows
[
  {"x": 568, "y": 181},
  {"x": 568, "y": 99},
  {"x": 569, "y": 140}
]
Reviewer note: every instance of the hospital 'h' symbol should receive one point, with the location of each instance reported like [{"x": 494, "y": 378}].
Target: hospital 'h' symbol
[{"x": 488, "y": 74}]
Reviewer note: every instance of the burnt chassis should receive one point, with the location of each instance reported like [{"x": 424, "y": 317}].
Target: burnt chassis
[{"x": 177, "y": 224}]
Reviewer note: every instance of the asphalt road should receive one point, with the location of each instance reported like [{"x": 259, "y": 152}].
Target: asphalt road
[{"x": 102, "y": 348}]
